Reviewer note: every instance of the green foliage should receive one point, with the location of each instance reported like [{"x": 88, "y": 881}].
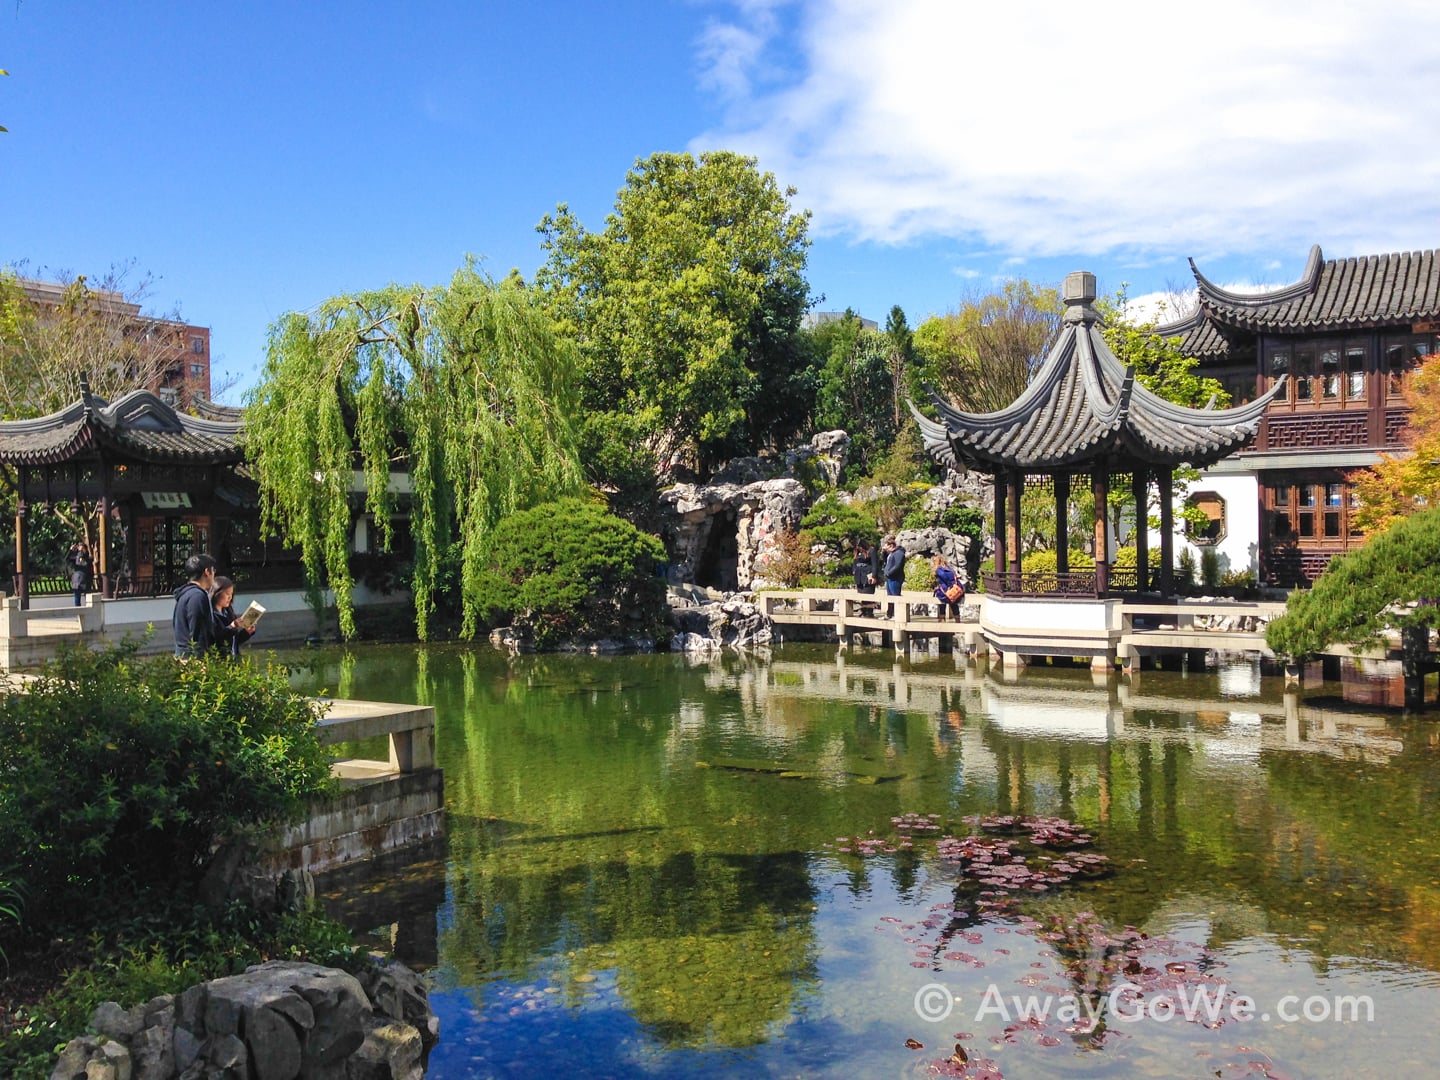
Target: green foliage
[
  {"x": 468, "y": 386},
  {"x": 1392, "y": 583},
  {"x": 919, "y": 574},
  {"x": 837, "y": 525},
  {"x": 617, "y": 462},
  {"x": 119, "y": 775},
  {"x": 1047, "y": 562},
  {"x": 569, "y": 569},
  {"x": 687, "y": 305},
  {"x": 1185, "y": 569},
  {"x": 855, "y": 391},
  {"x": 964, "y": 520},
  {"x": 1209, "y": 568}
]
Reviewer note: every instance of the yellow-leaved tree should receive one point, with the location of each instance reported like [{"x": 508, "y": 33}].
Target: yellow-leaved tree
[{"x": 1402, "y": 484}]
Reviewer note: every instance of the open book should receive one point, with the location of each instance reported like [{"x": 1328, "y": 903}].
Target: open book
[{"x": 251, "y": 616}]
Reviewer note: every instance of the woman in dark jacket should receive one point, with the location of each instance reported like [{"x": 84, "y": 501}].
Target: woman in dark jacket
[
  {"x": 81, "y": 569},
  {"x": 228, "y": 634},
  {"x": 867, "y": 566}
]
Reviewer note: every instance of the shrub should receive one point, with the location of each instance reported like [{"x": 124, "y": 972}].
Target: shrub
[
  {"x": 789, "y": 563},
  {"x": 1209, "y": 568},
  {"x": 570, "y": 570},
  {"x": 919, "y": 575},
  {"x": 119, "y": 776},
  {"x": 837, "y": 525},
  {"x": 1185, "y": 568},
  {"x": 965, "y": 521}
]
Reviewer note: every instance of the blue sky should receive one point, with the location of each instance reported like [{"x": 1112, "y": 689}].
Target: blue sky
[{"x": 259, "y": 158}]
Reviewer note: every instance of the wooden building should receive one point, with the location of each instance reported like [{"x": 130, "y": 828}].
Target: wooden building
[
  {"x": 161, "y": 484},
  {"x": 1344, "y": 339},
  {"x": 1085, "y": 417}
]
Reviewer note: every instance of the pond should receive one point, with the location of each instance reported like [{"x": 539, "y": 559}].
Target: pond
[{"x": 822, "y": 864}]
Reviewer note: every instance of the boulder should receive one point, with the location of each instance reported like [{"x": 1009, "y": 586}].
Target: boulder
[
  {"x": 734, "y": 622},
  {"x": 277, "y": 1021},
  {"x": 922, "y": 543}
]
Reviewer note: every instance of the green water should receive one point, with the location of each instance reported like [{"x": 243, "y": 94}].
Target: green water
[{"x": 645, "y": 874}]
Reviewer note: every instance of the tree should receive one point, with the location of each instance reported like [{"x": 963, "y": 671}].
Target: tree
[
  {"x": 687, "y": 305},
  {"x": 854, "y": 387},
  {"x": 1392, "y": 583},
  {"x": 981, "y": 355},
  {"x": 468, "y": 387},
  {"x": 568, "y": 569},
  {"x": 1402, "y": 484},
  {"x": 901, "y": 354},
  {"x": 75, "y": 330}
]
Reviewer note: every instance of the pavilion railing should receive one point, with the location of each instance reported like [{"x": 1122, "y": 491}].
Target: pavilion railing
[{"x": 1073, "y": 583}]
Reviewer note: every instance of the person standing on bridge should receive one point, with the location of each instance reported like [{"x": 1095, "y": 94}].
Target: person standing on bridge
[
  {"x": 867, "y": 566},
  {"x": 894, "y": 570},
  {"x": 948, "y": 589}
]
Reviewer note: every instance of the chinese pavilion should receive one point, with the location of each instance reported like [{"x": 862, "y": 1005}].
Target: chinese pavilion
[
  {"x": 163, "y": 485},
  {"x": 1085, "y": 415}
]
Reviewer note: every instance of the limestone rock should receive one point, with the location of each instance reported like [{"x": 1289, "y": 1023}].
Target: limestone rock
[
  {"x": 735, "y": 622},
  {"x": 111, "y": 1020},
  {"x": 75, "y": 1057},
  {"x": 392, "y": 1051},
  {"x": 922, "y": 543},
  {"x": 722, "y": 534}
]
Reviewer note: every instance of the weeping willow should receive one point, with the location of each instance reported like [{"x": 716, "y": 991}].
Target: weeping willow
[{"x": 468, "y": 387}]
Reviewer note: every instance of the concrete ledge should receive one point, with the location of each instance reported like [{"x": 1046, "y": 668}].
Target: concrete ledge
[{"x": 365, "y": 820}]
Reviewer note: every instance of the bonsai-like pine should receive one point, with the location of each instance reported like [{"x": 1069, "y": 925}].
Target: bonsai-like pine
[
  {"x": 569, "y": 570},
  {"x": 1390, "y": 584}
]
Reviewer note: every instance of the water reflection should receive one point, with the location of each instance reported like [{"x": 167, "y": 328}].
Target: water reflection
[{"x": 643, "y": 873}]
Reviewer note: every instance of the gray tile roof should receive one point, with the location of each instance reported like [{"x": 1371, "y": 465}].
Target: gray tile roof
[
  {"x": 1083, "y": 407},
  {"x": 1335, "y": 294},
  {"x": 139, "y": 425},
  {"x": 1199, "y": 337}
]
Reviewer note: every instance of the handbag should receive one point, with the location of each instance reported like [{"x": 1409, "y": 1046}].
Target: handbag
[{"x": 955, "y": 593}]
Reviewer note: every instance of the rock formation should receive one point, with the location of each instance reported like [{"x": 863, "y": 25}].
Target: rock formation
[{"x": 278, "y": 1021}]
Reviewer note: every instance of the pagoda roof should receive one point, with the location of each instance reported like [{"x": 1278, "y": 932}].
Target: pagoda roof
[
  {"x": 139, "y": 425},
  {"x": 1083, "y": 408},
  {"x": 1333, "y": 294}
]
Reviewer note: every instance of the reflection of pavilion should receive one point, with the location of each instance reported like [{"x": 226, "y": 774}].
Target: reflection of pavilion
[{"x": 1060, "y": 709}]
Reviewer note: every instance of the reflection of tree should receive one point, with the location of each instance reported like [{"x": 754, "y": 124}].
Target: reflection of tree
[{"x": 708, "y": 950}]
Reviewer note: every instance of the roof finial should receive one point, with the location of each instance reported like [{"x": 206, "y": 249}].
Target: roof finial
[{"x": 1079, "y": 294}]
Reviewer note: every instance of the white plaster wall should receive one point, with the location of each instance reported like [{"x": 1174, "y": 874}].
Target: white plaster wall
[
  {"x": 1046, "y": 614},
  {"x": 1240, "y": 549}
]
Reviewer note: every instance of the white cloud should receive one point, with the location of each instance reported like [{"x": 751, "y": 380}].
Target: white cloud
[{"x": 1037, "y": 129}]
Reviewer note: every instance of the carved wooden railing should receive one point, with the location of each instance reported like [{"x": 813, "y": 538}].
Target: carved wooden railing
[{"x": 1071, "y": 583}]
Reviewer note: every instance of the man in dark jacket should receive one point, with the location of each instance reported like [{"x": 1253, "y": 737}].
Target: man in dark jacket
[
  {"x": 894, "y": 571},
  {"x": 193, "y": 623}
]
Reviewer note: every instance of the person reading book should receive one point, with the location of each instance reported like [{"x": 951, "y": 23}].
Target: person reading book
[{"x": 230, "y": 632}]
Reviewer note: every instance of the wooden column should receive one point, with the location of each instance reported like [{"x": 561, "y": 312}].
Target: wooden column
[
  {"x": 1166, "y": 482},
  {"x": 1016, "y": 484},
  {"x": 1062, "y": 523},
  {"x": 22, "y": 545},
  {"x": 1000, "y": 519},
  {"x": 102, "y": 556},
  {"x": 1141, "y": 489},
  {"x": 1101, "y": 483}
]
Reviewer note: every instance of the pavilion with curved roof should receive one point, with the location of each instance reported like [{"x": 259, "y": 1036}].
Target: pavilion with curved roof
[
  {"x": 169, "y": 481},
  {"x": 1084, "y": 414}
]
